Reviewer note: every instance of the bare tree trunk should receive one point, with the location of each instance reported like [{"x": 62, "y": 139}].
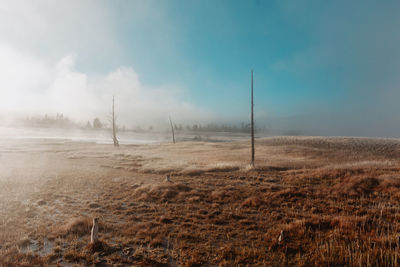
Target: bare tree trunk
[
  {"x": 252, "y": 122},
  {"x": 172, "y": 129},
  {"x": 115, "y": 139}
]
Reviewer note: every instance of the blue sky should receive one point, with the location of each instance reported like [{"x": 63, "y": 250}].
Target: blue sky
[
  {"x": 307, "y": 55},
  {"x": 210, "y": 47},
  {"x": 320, "y": 67}
]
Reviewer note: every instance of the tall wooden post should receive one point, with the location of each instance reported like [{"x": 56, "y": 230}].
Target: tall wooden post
[
  {"x": 252, "y": 121},
  {"x": 172, "y": 129},
  {"x": 115, "y": 140}
]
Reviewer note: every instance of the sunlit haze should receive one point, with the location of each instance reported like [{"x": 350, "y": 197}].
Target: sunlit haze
[
  {"x": 199, "y": 133},
  {"x": 326, "y": 68}
]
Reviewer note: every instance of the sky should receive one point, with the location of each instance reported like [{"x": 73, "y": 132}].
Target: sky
[{"x": 320, "y": 67}]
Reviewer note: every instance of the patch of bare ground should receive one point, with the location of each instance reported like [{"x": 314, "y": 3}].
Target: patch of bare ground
[{"x": 308, "y": 202}]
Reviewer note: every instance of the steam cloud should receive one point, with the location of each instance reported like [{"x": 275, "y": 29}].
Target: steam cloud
[
  {"x": 41, "y": 46},
  {"x": 31, "y": 86}
]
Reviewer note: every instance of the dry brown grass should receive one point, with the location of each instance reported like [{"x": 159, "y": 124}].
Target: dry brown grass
[
  {"x": 334, "y": 199},
  {"x": 76, "y": 226}
]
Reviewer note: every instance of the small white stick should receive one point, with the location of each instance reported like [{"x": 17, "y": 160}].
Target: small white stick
[{"x": 94, "y": 237}]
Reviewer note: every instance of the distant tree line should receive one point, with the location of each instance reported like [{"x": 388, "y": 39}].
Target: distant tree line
[
  {"x": 213, "y": 127},
  {"x": 62, "y": 121},
  {"x": 59, "y": 121}
]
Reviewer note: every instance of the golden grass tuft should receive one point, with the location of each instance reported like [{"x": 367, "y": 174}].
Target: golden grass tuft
[
  {"x": 254, "y": 202},
  {"x": 165, "y": 192},
  {"x": 77, "y": 226}
]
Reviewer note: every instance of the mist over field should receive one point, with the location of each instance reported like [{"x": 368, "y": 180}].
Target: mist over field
[
  {"x": 328, "y": 70},
  {"x": 199, "y": 133}
]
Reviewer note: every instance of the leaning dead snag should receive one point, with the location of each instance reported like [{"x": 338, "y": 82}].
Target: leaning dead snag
[
  {"x": 115, "y": 139},
  {"x": 172, "y": 129}
]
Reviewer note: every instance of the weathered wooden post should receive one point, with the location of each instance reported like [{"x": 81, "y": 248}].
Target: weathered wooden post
[{"x": 252, "y": 122}]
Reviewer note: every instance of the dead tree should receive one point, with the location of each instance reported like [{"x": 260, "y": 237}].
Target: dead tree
[
  {"x": 114, "y": 130},
  {"x": 252, "y": 122},
  {"x": 172, "y": 130}
]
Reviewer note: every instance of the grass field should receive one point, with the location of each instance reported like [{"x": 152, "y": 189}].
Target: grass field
[{"x": 309, "y": 201}]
